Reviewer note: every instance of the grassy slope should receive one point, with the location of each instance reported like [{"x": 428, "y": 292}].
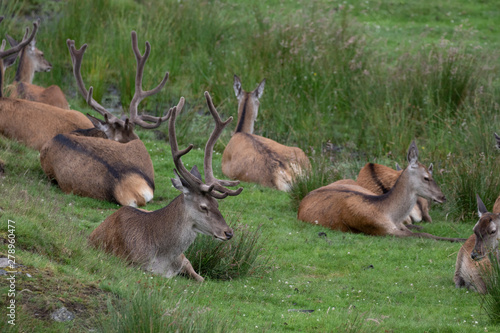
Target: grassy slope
[{"x": 408, "y": 289}]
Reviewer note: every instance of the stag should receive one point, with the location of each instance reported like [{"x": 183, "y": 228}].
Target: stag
[
  {"x": 156, "y": 240},
  {"x": 32, "y": 60},
  {"x": 35, "y": 123},
  {"x": 252, "y": 158},
  {"x": 473, "y": 260},
  {"x": 109, "y": 163},
  {"x": 352, "y": 208}
]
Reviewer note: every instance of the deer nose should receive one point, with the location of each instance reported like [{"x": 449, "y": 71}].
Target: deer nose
[
  {"x": 229, "y": 234},
  {"x": 474, "y": 255}
]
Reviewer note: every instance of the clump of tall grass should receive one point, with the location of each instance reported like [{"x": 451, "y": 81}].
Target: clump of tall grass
[
  {"x": 490, "y": 302},
  {"x": 151, "y": 311},
  {"x": 236, "y": 258}
]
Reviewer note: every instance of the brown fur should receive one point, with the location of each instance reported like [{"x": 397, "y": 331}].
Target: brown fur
[
  {"x": 34, "y": 124},
  {"x": 252, "y": 158},
  {"x": 32, "y": 60},
  {"x": 473, "y": 260},
  {"x": 156, "y": 240},
  {"x": 379, "y": 179},
  {"x": 352, "y": 208},
  {"x": 100, "y": 168}
]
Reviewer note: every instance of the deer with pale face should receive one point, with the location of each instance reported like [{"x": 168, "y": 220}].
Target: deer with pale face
[{"x": 156, "y": 240}]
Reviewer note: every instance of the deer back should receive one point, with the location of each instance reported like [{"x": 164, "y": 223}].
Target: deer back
[
  {"x": 473, "y": 257},
  {"x": 100, "y": 168},
  {"x": 34, "y": 124},
  {"x": 380, "y": 179}
]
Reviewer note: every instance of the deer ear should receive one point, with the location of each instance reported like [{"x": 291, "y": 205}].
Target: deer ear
[
  {"x": 237, "y": 86},
  {"x": 431, "y": 167},
  {"x": 179, "y": 184},
  {"x": 260, "y": 89},
  {"x": 398, "y": 168},
  {"x": 481, "y": 208},
  {"x": 194, "y": 171},
  {"x": 412, "y": 154}
]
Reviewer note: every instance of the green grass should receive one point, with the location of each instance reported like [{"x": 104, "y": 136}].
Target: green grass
[{"x": 365, "y": 76}]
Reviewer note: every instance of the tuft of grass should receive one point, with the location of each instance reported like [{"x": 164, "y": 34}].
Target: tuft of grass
[
  {"x": 490, "y": 302},
  {"x": 236, "y": 258}
]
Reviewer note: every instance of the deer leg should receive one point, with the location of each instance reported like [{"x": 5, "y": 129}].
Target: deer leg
[{"x": 188, "y": 269}]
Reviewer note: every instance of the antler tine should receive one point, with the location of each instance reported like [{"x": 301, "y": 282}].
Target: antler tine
[
  {"x": 76, "y": 59},
  {"x": 174, "y": 147},
  {"x": 23, "y": 43},
  {"x": 140, "y": 94},
  {"x": 207, "y": 163}
]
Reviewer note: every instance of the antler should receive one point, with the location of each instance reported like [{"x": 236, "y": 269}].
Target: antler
[
  {"x": 140, "y": 94},
  {"x": 25, "y": 41},
  {"x": 76, "y": 59},
  {"x": 207, "y": 163}
]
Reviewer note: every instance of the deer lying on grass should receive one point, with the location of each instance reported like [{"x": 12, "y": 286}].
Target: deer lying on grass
[
  {"x": 32, "y": 60},
  {"x": 35, "y": 123},
  {"x": 156, "y": 240},
  {"x": 252, "y": 158},
  {"x": 352, "y": 208},
  {"x": 472, "y": 259},
  {"x": 110, "y": 163},
  {"x": 380, "y": 179}
]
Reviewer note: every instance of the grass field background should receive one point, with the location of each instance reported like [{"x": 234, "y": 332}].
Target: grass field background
[{"x": 366, "y": 77}]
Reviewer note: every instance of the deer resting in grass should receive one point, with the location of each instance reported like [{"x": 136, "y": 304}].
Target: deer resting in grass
[
  {"x": 252, "y": 158},
  {"x": 473, "y": 260},
  {"x": 32, "y": 60},
  {"x": 35, "y": 123},
  {"x": 352, "y": 208},
  {"x": 380, "y": 179},
  {"x": 156, "y": 240},
  {"x": 108, "y": 162}
]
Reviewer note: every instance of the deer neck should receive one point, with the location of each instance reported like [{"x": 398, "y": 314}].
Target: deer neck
[
  {"x": 172, "y": 231},
  {"x": 247, "y": 113},
  {"x": 26, "y": 69},
  {"x": 400, "y": 200}
]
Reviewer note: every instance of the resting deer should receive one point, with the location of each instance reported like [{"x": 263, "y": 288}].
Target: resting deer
[
  {"x": 352, "y": 208},
  {"x": 32, "y": 60},
  {"x": 473, "y": 258},
  {"x": 115, "y": 166},
  {"x": 35, "y": 123},
  {"x": 252, "y": 158},
  {"x": 379, "y": 179},
  {"x": 156, "y": 240}
]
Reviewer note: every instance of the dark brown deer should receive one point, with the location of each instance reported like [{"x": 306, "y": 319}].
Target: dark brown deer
[
  {"x": 352, "y": 208},
  {"x": 35, "y": 123},
  {"x": 252, "y": 158},
  {"x": 473, "y": 260},
  {"x": 156, "y": 240},
  {"x": 115, "y": 166},
  {"x": 380, "y": 179},
  {"x": 32, "y": 60}
]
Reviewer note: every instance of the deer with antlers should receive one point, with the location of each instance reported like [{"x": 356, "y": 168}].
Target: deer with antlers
[
  {"x": 109, "y": 163},
  {"x": 351, "y": 208},
  {"x": 156, "y": 240},
  {"x": 32, "y": 60},
  {"x": 34, "y": 123},
  {"x": 473, "y": 260},
  {"x": 252, "y": 158}
]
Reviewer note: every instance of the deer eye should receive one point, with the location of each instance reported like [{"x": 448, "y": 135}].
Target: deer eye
[
  {"x": 426, "y": 179},
  {"x": 204, "y": 207},
  {"x": 493, "y": 231}
]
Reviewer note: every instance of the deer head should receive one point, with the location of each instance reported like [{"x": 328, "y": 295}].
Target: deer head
[
  {"x": 121, "y": 130},
  {"x": 200, "y": 197},
  {"x": 486, "y": 231}
]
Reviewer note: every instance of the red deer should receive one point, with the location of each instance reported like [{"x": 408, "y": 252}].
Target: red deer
[
  {"x": 352, "y": 208},
  {"x": 35, "y": 123},
  {"x": 473, "y": 257},
  {"x": 379, "y": 179},
  {"x": 496, "y": 206},
  {"x": 116, "y": 166},
  {"x": 32, "y": 60},
  {"x": 156, "y": 240},
  {"x": 252, "y": 158}
]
